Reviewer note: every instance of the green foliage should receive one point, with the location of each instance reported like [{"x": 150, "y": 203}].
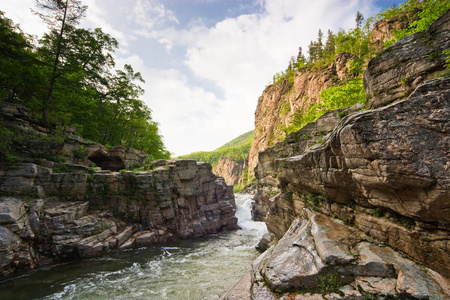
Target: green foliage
[
  {"x": 421, "y": 13},
  {"x": 80, "y": 151},
  {"x": 447, "y": 59},
  {"x": 322, "y": 52},
  {"x": 237, "y": 188},
  {"x": 68, "y": 78},
  {"x": 19, "y": 73},
  {"x": 329, "y": 284},
  {"x": 285, "y": 107},
  {"x": 240, "y": 140},
  {"x": 337, "y": 97},
  {"x": 377, "y": 213},
  {"x": 6, "y": 139},
  {"x": 236, "y": 149}
]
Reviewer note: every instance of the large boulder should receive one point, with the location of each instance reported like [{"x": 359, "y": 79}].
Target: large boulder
[{"x": 115, "y": 158}]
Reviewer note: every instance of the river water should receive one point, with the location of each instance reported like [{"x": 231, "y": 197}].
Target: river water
[{"x": 191, "y": 269}]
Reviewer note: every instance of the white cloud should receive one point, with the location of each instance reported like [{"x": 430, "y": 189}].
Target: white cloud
[
  {"x": 237, "y": 56},
  {"x": 20, "y": 12},
  {"x": 148, "y": 14}
]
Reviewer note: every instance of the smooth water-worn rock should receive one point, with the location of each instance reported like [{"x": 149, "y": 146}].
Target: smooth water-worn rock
[
  {"x": 322, "y": 257},
  {"x": 52, "y": 216}
]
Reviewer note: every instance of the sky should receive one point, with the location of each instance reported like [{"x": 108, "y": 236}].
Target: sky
[{"x": 206, "y": 62}]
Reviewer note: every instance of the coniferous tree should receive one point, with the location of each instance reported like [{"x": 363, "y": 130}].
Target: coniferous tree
[
  {"x": 301, "y": 60},
  {"x": 312, "y": 52},
  {"x": 330, "y": 45},
  {"x": 319, "y": 49},
  {"x": 359, "y": 19}
]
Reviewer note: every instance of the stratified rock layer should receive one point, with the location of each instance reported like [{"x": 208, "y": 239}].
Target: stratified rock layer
[
  {"x": 400, "y": 68},
  {"x": 322, "y": 258},
  {"x": 49, "y": 216},
  {"x": 342, "y": 193}
]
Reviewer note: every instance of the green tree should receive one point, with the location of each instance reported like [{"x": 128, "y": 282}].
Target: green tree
[
  {"x": 61, "y": 18},
  {"x": 19, "y": 73},
  {"x": 429, "y": 11},
  {"x": 330, "y": 45},
  {"x": 301, "y": 60}
]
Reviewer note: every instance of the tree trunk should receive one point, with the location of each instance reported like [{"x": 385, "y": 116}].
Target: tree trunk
[{"x": 51, "y": 87}]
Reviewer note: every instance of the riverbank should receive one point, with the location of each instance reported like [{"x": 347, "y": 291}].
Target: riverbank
[{"x": 201, "y": 268}]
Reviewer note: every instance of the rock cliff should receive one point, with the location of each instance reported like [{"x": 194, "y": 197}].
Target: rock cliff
[
  {"x": 229, "y": 169},
  {"x": 55, "y": 205},
  {"x": 360, "y": 199},
  {"x": 279, "y": 102}
]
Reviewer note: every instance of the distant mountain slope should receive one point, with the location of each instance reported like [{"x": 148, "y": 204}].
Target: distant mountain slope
[
  {"x": 240, "y": 140},
  {"x": 229, "y": 160},
  {"x": 236, "y": 149}
]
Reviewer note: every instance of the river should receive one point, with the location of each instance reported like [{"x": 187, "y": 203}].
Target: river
[{"x": 201, "y": 268}]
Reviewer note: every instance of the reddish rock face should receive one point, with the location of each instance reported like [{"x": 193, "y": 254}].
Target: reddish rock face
[
  {"x": 229, "y": 170},
  {"x": 383, "y": 30},
  {"x": 279, "y": 102}
]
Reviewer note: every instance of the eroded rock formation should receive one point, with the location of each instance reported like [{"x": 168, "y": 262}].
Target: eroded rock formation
[
  {"x": 399, "y": 69},
  {"x": 48, "y": 216},
  {"x": 349, "y": 195},
  {"x": 230, "y": 170},
  {"x": 279, "y": 102},
  {"x": 41, "y": 143},
  {"x": 322, "y": 258}
]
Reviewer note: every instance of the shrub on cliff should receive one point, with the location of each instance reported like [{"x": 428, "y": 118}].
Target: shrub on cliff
[
  {"x": 421, "y": 13},
  {"x": 335, "y": 97}
]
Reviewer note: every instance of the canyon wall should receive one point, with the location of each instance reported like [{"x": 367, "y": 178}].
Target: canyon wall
[
  {"x": 359, "y": 200},
  {"x": 68, "y": 211},
  {"x": 229, "y": 169},
  {"x": 279, "y": 102}
]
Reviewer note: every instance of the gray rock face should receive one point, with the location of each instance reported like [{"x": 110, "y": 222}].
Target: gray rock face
[
  {"x": 399, "y": 69},
  {"x": 384, "y": 170},
  {"x": 322, "y": 258},
  {"x": 55, "y": 216},
  {"x": 116, "y": 158}
]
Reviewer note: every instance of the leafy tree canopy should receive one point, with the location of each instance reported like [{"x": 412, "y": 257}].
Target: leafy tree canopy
[{"x": 67, "y": 77}]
